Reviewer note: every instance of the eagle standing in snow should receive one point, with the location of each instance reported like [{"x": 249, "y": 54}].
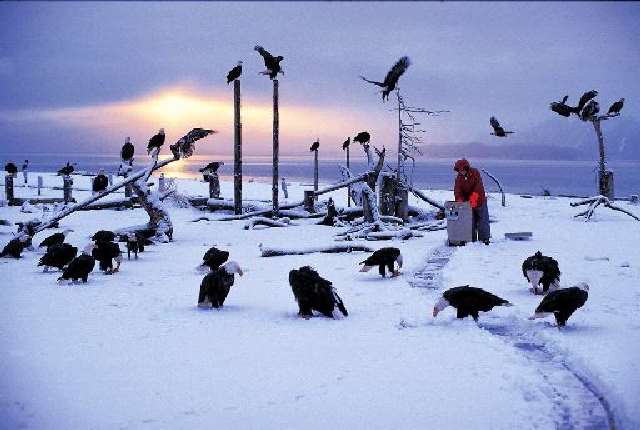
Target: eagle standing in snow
[
  {"x": 314, "y": 146},
  {"x": 234, "y": 73},
  {"x": 103, "y": 236},
  {"x": 391, "y": 80},
  {"x": 384, "y": 258},
  {"x": 14, "y": 248},
  {"x": 156, "y": 141},
  {"x": 80, "y": 267},
  {"x": 314, "y": 293},
  {"x": 616, "y": 107},
  {"x": 540, "y": 269},
  {"x": 216, "y": 284},
  {"x": 498, "y": 131},
  {"x": 271, "y": 63},
  {"x": 55, "y": 239},
  {"x": 468, "y": 301},
  {"x": 362, "y": 138},
  {"x": 58, "y": 256},
  {"x": 562, "y": 303},
  {"x": 127, "y": 150},
  {"x": 214, "y": 258}
]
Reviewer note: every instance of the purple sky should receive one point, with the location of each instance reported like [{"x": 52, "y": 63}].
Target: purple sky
[{"x": 82, "y": 76}]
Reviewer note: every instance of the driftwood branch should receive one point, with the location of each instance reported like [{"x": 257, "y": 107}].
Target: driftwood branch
[
  {"x": 596, "y": 201},
  {"x": 422, "y": 196},
  {"x": 275, "y": 252},
  {"x": 504, "y": 203}
]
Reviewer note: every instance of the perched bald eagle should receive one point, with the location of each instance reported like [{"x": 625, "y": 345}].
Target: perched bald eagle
[
  {"x": 391, "y": 80},
  {"x": 127, "y": 150},
  {"x": 216, "y": 284},
  {"x": 540, "y": 269},
  {"x": 498, "y": 131},
  {"x": 616, "y": 107},
  {"x": 100, "y": 182},
  {"x": 156, "y": 141},
  {"x": 58, "y": 256},
  {"x": 80, "y": 267},
  {"x": 234, "y": 73},
  {"x": 11, "y": 168},
  {"x": 362, "y": 138},
  {"x": 314, "y": 293},
  {"x": 346, "y": 143},
  {"x": 384, "y": 258},
  {"x": 562, "y": 303},
  {"x": 55, "y": 239},
  {"x": 103, "y": 236},
  {"x": 590, "y": 110},
  {"x": 14, "y": 248},
  {"x": 214, "y": 258},
  {"x": 271, "y": 63},
  {"x": 66, "y": 170},
  {"x": 584, "y": 99},
  {"x": 314, "y": 146},
  {"x": 468, "y": 301}
]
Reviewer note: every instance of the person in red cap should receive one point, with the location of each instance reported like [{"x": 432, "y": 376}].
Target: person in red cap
[{"x": 469, "y": 188}]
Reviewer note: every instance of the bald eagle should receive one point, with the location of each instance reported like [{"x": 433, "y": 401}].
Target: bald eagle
[
  {"x": 80, "y": 267},
  {"x": 590, "y": 110},
  {"x": 11, "y": 168},
  {"x": 562, "y": 303},
  {"x": 103, "y": 236},
  {"x": 156, "y": 141},
  {"x": 54, "y": 239},
  {"x": 585, "y": 98},
  {"x": 271, "y": 63},
  {"x": 540, "y": 269},
  {"x": 314, "y": 293},
  {"x": 214, "y": 258},
  {"x": 498, "y": 131},
  {"x": 66, "y": 170},
  {"x": 384, "y": 258},
  {"x": 346, "y": 143},
  {"x": 391, "y": 80},
  {"x": 468, "y": 301},
  {"x": 314, "y": 146},
  {"x": 58, "y": 256},
  {"x": 616, "y": 107},
  {"x": 216, "y": 284},
  {"x": 127, "y": 151},
  {"x": 234, "y": 73},
  {"x": 362, "y": 138},
  {"x": 14, "y": 248}
]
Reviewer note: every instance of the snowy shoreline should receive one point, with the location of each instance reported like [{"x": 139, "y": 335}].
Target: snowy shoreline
[{"x": 133, "y": 349}]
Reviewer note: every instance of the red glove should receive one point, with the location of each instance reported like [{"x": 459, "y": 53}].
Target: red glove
[{"x": 473, "y": 199}]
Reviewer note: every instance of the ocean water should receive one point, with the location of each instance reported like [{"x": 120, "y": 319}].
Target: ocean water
[{"x": 516, "y": 176}]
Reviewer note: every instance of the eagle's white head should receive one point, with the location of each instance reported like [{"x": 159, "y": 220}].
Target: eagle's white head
[{"x": 232, "y": 267}]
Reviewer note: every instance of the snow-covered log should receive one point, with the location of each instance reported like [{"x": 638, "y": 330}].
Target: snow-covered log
[
  {"x": 422, "y": 196},
  {"x": 275, "y": 252},
  {"x": 268, "y": 222}
]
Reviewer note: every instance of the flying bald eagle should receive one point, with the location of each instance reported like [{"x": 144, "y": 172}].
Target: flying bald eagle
[
  {"x": 156, "y": 141},
  {"x": 314, "y": 293},
  {"x": 468, "y": 301},
  {"x": 498, "y": 131},
  {"x": 391, "y": 80},
  {"x": 561, "y": 109},
  {"x": 585, "y": 98},
  {"x": 590, "y": 110},
  {"x": 362, "y": 138},
  {"x": 562, "y": 303},
  {"x": 346, "y": 143},
  {"x": 540, "y": 269},
  {"x": 384, "y": 258},
  {"x": 127, "y": 150},
  {"x": 616, "y": 107},
  {"x": 234, "y": 73},
  {"x": 314, "y": 146},
  {"x": 216, "y": 284},
  {"x": 271, "y": 63}
]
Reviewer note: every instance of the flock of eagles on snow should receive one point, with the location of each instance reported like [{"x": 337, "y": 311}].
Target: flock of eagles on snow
[{"x": 312, "y": 292}]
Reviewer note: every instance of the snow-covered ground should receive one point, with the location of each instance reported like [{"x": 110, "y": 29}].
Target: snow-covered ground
[{"x": 133, "y": 351}]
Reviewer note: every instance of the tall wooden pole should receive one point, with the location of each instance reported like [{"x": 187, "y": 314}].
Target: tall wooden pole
[
  {"x": 349, "y": 187},
  {"x": 399, "y": 138},
  {"x": 315, "y": 170},
  {"x": 237, "y": 150},
  {"x": 276, "y": 121}
]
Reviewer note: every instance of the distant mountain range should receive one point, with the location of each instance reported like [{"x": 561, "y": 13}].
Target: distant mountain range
[{"x": 555, "y": 139}]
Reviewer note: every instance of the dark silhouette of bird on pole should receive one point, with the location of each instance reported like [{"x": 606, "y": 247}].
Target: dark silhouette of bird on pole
[
  {"x": 498, "y": 131},
  {"x": 271, "y": 63},
  {"x": 234, "y": 73}
]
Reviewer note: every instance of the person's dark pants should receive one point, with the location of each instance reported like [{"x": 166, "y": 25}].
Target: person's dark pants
[{"x": 481, "y": 230}]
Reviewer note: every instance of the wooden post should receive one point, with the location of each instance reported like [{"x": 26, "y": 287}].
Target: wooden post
[
  {"x": 605, "y": 177},
  {"x": 237, "y": 150},
  {"x": 40, "y": 181},
  {"x": 214, "y": 186},
  {"x": 8, "y": 188},
  {"x": 276, "y": 121},
  {"x": 67, "y": 188},
  {"x": 315, "y": 171},
  {"x": 349, "y": 187},
  {"x": 399, "y": 136}
]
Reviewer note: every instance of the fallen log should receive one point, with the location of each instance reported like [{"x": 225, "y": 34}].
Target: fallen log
[
  {"x": 268, "y": 222},
  {"x": 333, "y": 249},
  {"x": 422, "y": 196}
]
